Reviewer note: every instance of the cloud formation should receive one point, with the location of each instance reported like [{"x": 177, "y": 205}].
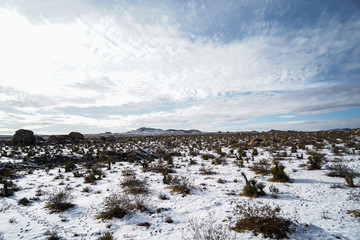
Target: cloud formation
[{"x": 150, "y": 68}]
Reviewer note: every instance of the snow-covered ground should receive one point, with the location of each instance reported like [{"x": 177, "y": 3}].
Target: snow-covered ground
[{"x": 310, "y": 199}]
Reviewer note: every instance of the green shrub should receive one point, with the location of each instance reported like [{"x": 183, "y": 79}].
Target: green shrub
[
  {"x": 315, "y": 161},
  {"x": 252, "y": 188},
  {"x": 168, "y": 158},
  {"x": 8, "y": 189},
  {"x": 207, "y": 156},
  {"x": 255, "y": 152},
  {"x": 278, "y": 173},
  {"x": 69, "y": 166}
]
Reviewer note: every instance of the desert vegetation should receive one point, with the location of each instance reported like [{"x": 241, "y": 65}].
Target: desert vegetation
[{"x": 253, "y": 184}]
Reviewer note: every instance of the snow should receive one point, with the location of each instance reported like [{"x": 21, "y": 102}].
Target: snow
[{"x": 310, "y": 199}]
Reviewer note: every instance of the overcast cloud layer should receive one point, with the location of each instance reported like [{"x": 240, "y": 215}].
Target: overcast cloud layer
[{"x": 95, "y": 66}]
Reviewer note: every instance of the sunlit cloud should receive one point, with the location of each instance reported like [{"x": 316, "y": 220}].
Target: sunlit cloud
[{"x": 120, "y": 54}]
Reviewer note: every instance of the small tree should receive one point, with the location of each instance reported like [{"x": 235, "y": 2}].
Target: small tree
[
  {"x": 315, "y": 161},
  {"x": 255, "y": 152},
  {"x": 252, "y": 188},
  {"x": 278, "y": 173}
]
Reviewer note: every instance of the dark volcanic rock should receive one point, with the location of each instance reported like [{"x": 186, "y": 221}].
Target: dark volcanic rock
[{"x": 25, "y": 137}]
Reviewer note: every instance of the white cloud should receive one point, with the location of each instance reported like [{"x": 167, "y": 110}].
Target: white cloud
[
  {"x": 305, "y": 125},
  {"x": 110, "y": 58},
  {"x": 287, "y": 116}
]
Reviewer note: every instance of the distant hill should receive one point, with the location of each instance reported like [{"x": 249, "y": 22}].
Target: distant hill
[{"x": 157, "y": 131}]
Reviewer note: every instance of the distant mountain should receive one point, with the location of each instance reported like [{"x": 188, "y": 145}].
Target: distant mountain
[{"x": 157, "y": 131}]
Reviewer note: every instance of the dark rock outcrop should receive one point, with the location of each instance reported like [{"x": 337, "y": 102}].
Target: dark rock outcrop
[
  {"x": 139, "y": 155},
  {"x": 24, "y": 137},
  {"x": 112, "y": 156},
  {"x": 73, "y": 137},
  {"x": 76, "y": 136},
  {"x": 61, "y": 139}
]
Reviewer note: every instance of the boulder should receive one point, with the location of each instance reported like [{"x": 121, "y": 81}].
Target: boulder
[
  {"x": 76, "y": 136},
  {"x": 101, "y": 139},
  {"x": 139, "y": 155},
  {"x": 73, "y": 137},
  {"x": 112, "y": 155},
  {"x": 24, "y": 137},
  {"x": 110, "y": 139},
  {"x": 61, "y": 139}
]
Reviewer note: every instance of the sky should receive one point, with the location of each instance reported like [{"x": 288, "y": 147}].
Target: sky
[{"x": 217, "y": 65}]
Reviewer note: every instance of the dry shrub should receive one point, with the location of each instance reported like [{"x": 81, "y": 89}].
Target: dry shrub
[
  {"x": 208, "y": 228},
  {"x": 206, "y": 170},
  {"x": 261, "y": 219},
  {"x": 339, "y": 170},
  {"x": 134, "y": 185},
  {"x": 52, "y": 235},
  {"x": 59, "y": 201},
  {"x": 119, "y": 205},
  {"x": 181, "y": 185},
  {"x": 355, "y": 213},
  {"x": 262, "y": 167}
]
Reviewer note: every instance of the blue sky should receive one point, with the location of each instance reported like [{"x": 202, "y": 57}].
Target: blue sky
[{"x": 96, "y": 66}]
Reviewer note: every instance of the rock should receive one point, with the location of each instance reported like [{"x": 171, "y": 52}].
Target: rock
[
  {"x": 59, "y": 139},
  {"x": 101, "y": 139},
  {"x": 25, "y": 137},
  {"x": 110, "y": 139},
  {"x": 73, "y": 137},
  {"x": 138, "y": 155},
  {"x": 112, "y": 155},
  {"x": 76, "y": 136}
]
